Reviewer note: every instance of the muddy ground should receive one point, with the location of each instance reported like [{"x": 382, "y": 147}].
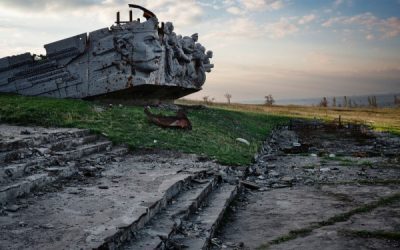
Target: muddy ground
[{"x": 317, "y": 186}]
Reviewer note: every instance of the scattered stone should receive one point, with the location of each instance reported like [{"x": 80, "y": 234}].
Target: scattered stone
[
  {"x": 308, "y": 182},
  {"x": 296, "y": 144},
  {"x": 325, "y": 170},
  {"x": 287, "y": 179},
  {"x": 280, "y": 185},
  {"x": 332, "y": 155},
  {"x": 273, "y": 174},
  {"x": 26, "y": 132},
  {"x": 89, "y": 171},
  {"x": 12, "y": 208},
  {"x": 22, "y": 224},
  {"x": 250, "y": 185},
  {"x": 199, "y": 181},
  {"x": 243, "y": 141},
  {"x": 313, "y": 155},
  {"x": 98, "y": 109},
  {"x": 47, "y": 226},
  {"x": 42, "y": 151},
  {"x": 54, "y": 171}
]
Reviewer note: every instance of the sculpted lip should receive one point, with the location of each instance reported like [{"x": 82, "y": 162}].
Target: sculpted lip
[{"x": 157, "y": 59}]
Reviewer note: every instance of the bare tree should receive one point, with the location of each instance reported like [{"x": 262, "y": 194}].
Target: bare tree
[
  {"x": 396, "y": 100},
  {"x": 324, "y": 102},
  {"x": 269, "y": 100},
  {"x": 228, "y": 97},
  {"x": 334, "y": 101},
  {"x": 372, "y": 102},
  {"x": 205, "y": 99},
  {"x": 345, "y": 102}
]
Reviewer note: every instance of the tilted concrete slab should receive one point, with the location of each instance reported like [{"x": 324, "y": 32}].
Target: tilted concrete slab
[{"x": 97, "y": 212}]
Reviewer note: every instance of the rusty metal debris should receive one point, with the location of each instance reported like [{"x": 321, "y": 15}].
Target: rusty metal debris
[{"x": 180, "y": 120}]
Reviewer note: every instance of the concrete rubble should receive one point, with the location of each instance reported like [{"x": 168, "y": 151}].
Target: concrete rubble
[
  {"x": 69, "y": 189},
  {"x": 312, "y": 173}
]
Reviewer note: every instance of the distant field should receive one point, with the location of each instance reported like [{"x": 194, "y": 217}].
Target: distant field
[
  {"x": 214, "y": 130},
  {"x": 383, "y": 119}
]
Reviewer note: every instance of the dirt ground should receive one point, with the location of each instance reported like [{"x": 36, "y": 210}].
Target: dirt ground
[{"x": 319, "y": 186}]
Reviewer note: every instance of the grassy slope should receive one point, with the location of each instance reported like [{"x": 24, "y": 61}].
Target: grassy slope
[
  {"x": 384, "y": 119},
  {"x": 213, "y": 135}
]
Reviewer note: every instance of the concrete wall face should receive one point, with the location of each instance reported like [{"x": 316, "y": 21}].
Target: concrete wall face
[{"x": 112, "y": 60}]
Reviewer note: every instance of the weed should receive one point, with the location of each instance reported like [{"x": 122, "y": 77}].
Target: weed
[{"x": 380, "y": 234}]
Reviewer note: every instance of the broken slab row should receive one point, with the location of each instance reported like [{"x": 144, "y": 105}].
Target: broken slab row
[
  {"x": 89, "y": 216},
  {"x": 208, "y": 219},
  {"x": 159, "y": 230},
  {"x": 33, "y": 139},
  {"x": 22, "y": 186},
  {"x": 46, "y": 147}
]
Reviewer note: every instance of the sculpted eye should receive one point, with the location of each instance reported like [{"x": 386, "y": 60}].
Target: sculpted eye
[{"x": 149, "y": 40}]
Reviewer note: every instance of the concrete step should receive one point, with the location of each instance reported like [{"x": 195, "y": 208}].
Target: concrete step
[
  {"x": 15, "y": 140},
  {"x": 99, "y": 158},
  {"x": 72, "y": 142},
  {"x": 13, "y": 155},
  {"x": 26, "y": 185},
  {"x": 200, "y": 228},
  {"x": 170, "y": 219},
  {"x": 84, "y": 150},
  {"x": 97, "y": 213},
  {"x": 38, "y": 145}
]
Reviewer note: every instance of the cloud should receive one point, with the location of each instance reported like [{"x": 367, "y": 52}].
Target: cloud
[
  {"x": 370, "y": 37},
  {"x": 388, "y": 28},
  {"x": 260, "y": 5},
  {"x": 181, "y": 13},
  {"x": 235, "y": 10},
  {"x": 281, "y": 29},
  {"x": 338, "y": 3},
  {"x": 48, "y": 4},
  {"x": 307, "y": 19}
]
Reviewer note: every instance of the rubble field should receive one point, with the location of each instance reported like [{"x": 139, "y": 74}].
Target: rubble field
[
  {"x": 319, "y": 186},
  {"x": 312, "y": 186}
]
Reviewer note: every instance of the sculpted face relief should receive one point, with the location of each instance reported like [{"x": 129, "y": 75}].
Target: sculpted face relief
[
  {"x": 146, "y": 52},
  {"x": 115, "y": 62}
]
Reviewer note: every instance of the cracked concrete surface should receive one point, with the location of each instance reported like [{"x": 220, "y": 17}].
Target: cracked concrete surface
[{"x": 307, "y": 176}]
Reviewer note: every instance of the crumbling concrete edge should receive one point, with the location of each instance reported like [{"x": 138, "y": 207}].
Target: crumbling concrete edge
[
  {"x": 217, "y": 222},
  {"x": 196, "y": 203},
  {"x": 124, "y": 234}
]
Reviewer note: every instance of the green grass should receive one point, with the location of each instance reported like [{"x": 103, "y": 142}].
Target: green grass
[
  {"x": 381, "y": 119},
  {"x": 384, "y": 201},
  {"x": 380, "y": 234},
  {"x": 214, "y": 130}
]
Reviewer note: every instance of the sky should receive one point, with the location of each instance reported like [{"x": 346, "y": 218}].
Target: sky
[{"x": 291, "y": 49}]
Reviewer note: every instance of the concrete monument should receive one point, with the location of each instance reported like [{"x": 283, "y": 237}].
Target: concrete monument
[{"x": 133, "y": 61}]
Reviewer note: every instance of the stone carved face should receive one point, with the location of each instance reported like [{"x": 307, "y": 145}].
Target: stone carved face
[
  {"x": 140, "y": 46},
  {"x": 188, "y": 45},
  {"x": 146, "y": 52}
]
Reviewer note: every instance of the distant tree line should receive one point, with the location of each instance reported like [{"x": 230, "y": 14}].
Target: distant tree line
[{"x": 347, "y": 102}]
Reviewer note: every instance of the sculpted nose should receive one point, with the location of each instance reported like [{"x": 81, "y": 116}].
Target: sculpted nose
[{"x": 157, "y": 48}]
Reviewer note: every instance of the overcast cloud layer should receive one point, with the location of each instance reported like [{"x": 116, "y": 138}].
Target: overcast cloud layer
[{"x": 291, "y": 49}]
